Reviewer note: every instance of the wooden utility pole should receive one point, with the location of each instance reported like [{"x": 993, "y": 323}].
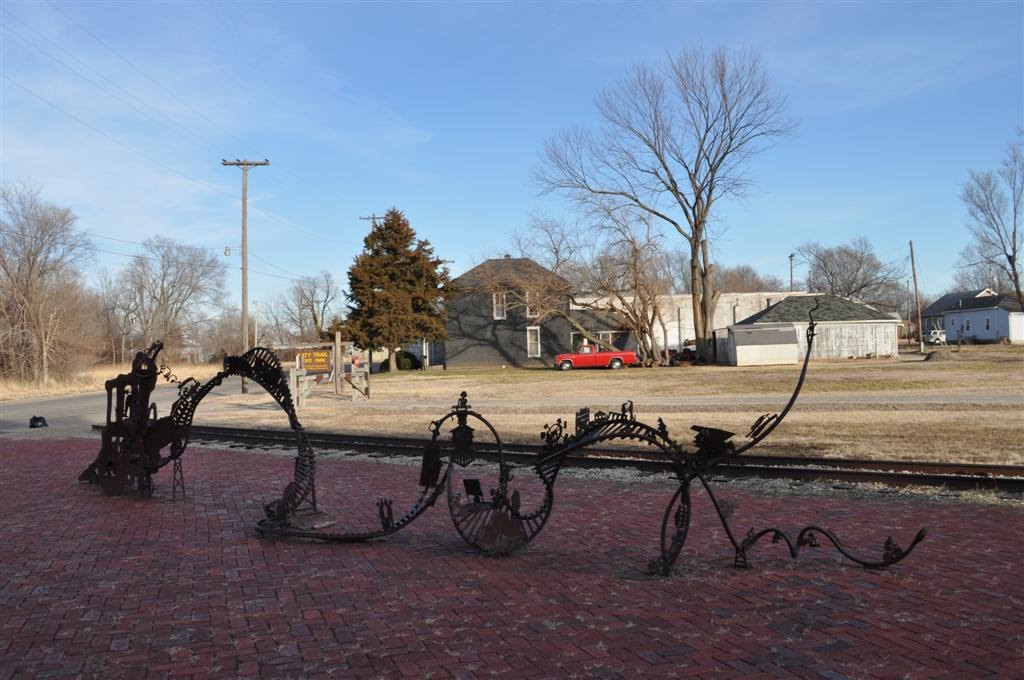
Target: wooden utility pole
[
  {"x": 917, "y": 300},
  {"x": 372, "y": 218},
  {"x": 245, "y": 166}
]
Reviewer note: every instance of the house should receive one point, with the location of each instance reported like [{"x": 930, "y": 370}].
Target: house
[
  {"x": 492, "y": 321},
  {"x": 846, "y": 329},
  {"x": 976, "y": 315},
  {"x": 500, "y": 313},
  {"x": 732, "y": 308}
]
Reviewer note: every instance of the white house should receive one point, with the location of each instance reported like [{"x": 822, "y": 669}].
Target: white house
[{"x": 977, "y": 315}]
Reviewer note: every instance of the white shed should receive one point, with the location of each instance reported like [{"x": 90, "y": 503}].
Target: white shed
[
  {"x": 846, "y": 329},
  {"x": 762, "y": 345}
]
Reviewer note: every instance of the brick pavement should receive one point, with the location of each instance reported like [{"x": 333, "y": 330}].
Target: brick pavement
[{"x": 115, "y": 587}]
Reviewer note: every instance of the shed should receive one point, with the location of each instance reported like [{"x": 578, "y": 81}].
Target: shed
[
  {"x": 762, "y": 345},
  {"x": 846, "y": 329}
]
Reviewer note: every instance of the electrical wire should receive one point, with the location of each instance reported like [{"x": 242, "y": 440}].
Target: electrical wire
[
  {"x": 158, "y": 163},
  {"x": 130, "y": 63},
  {"x": 187, "y": 136},
  {"x": 222, "y": 267}
]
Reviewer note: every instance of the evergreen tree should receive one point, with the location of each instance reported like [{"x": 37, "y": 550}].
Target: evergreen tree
[{"x": 397, "y": 288}]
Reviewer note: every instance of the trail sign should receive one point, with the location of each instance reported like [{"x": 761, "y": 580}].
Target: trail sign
[{"x": 314, "y": 360}]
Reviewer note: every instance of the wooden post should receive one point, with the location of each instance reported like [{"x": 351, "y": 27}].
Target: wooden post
[{"x": 339, "y": 363}]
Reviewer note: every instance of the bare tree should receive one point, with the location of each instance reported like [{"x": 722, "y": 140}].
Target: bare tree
[
  {"x": 976, "y": 272},
  {"x": 170, "y": 283},
  {"x": 996, "y": 216},
  {"x": 305, "y": 306},
  {"x": 45, "y": 307},
  {"x": 854, "y": 271},
  {"x": 119, "y": 307},
  {"x": 617, "y": 270},
  {"x": 743, "y": 278},
  {"x": 674, "y": 141},
  {"x": 220, "y": 333}
]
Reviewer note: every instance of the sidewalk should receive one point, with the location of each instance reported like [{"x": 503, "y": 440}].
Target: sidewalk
[{"x": 95, "y": 586}]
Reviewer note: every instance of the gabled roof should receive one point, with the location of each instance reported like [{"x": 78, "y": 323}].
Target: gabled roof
[
  {"x": 966, "y": 300},
  {"x": 513, "y": 272},
  {"x": 795, "y": 309}
]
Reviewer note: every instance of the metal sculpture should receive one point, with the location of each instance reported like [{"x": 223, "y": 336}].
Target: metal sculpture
[
  {"x": 498, "y": 523},
  {"x": 134, "y": 437}
]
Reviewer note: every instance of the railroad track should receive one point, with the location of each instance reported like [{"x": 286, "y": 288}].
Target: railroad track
[{"x": 954, "y": 476}]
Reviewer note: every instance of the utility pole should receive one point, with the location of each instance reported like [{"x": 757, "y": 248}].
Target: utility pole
[
  {"x": 372, "y": 218},
  {"x": 791, "y": 256},
  {"x": 245, "y": 165},
  {"x": 917, "y": 300}
]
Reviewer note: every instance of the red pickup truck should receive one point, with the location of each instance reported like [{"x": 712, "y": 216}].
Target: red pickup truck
[{"x": 589, "y": 356}]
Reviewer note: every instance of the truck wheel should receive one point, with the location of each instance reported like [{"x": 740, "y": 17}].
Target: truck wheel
[
  {"x": 615, "y": 363},
  {"x": 565, "y": 366}
]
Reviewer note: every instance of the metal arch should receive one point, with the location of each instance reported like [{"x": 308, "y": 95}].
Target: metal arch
[{"x": 133, "y": 436}]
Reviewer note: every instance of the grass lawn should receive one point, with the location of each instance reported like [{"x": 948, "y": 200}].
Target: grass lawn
[{"x": 967, "y": 408}]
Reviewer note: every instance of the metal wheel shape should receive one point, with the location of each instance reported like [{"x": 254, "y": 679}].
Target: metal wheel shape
[
  {"x": 492, "y": 521},
  {"x": 675, "y": 525}
]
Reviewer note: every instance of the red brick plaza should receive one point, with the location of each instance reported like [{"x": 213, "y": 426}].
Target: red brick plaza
[{"x": 94, "y": 586}]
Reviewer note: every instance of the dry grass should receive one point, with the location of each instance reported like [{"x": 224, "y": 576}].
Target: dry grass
[
  {"x": 891, "y": 420},
  {"x": 91, "y": 380}
]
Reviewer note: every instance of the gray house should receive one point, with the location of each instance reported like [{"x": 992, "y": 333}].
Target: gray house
[
  {"x": 511, "y": 311},
  {"x": 491, "y": 321},
  {"x": 846, "y": 329},
  {"x": 976, "y": 315}
]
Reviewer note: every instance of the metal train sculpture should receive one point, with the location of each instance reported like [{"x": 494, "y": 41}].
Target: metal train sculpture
[{"x": 495, "y": 524}]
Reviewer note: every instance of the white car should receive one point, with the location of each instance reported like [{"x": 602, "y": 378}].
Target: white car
[{"x": 936, "y": 337}]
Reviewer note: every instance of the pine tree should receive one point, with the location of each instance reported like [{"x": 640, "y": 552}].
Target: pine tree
[{"x": 397, "y": 288}]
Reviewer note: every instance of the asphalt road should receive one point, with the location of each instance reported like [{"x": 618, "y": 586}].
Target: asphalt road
[{"x": 85, "y": 410}]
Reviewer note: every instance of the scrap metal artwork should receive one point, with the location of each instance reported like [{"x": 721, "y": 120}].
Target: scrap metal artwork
[
  {"x": 498, "y": 522},
  {"x": 133, "y": 439}
]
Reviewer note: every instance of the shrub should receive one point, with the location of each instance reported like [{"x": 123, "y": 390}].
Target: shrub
[{"x": 405, "y": 362}]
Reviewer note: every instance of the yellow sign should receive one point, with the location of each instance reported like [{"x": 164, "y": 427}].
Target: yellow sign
[{"x": 315, "y": 360}]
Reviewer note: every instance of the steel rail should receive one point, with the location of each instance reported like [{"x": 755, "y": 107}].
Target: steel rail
[{"x": 957, "y": 476}]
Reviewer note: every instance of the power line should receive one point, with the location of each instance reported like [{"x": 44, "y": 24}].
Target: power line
[
  {"x": 115, "y": 140},
  {"x": 223, "y": 267},
  {"x": 185, "y": 132},
  {"x": 267, "y": 262},
  {"x": 130, "y": 63},
  {"x": 158, "y": 163},
  {"x": 188, "y": 136}
]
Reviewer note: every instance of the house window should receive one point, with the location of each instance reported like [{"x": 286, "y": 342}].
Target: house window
[
  {"x": 498, "y": 306},
  {"x": 531, "y": 312},
  {"x": 968, "y": 324},
  {"x": 533, "y": 341},
  {"x": 987, "y": 326}
]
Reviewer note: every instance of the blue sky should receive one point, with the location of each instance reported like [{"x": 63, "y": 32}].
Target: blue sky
[{"x": 442, "y": 109}]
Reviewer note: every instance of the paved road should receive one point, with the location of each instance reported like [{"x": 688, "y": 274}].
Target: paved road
[{"x": 84, "y": 410}]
